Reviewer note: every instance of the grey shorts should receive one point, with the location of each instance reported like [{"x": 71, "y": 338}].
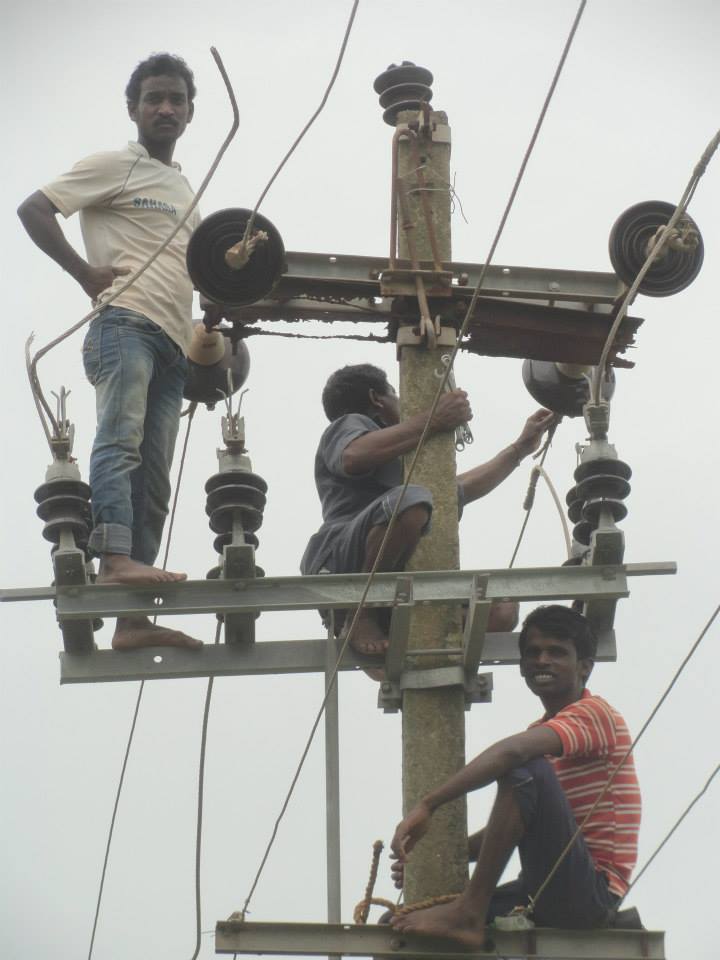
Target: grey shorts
[{"x": 347, "y": 553}]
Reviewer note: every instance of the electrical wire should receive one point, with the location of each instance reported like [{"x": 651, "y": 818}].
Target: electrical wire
[
  {"x": 121, "y": 781},
  {"x": 35, "y": 386},
  {"x": 655, "y": 251},
  {"x": 672, "y": 830},
  {"x": 332, "y": 678},
  {"x": 530, "y": 495},
  {"x": 624, "y": 758},
  {"x": 311, "y": 121}
]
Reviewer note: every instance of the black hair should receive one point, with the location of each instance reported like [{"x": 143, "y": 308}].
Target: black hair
[
  {"x": 563, "y": 623},
  {"x": 159, "y": 65},
  {"x": 347, "y": 389}
]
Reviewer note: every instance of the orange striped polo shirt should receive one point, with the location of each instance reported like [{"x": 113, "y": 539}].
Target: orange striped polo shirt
[{"x": 594, "y": 739}]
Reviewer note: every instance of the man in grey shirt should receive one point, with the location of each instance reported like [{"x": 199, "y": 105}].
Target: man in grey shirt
[{"x": 359, "y": 479}]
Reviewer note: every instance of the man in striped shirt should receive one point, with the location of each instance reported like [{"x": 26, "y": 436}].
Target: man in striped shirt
[{"x": 572, "y": 768}]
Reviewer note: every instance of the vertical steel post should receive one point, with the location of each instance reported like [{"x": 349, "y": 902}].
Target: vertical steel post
[
  {"x": 433, "y": 720},
  {"x": 332, "y": 785}
]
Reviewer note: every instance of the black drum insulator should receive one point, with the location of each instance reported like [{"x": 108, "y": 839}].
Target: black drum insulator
[
  {"x": 403, "y": 87},
  {"x": 575, "y": 511},
  {"x": 562, "y": 394},
  {"x": 62, "y": 487},
  {"x": 603, "y": 485},
  {"x": 245, "y": 495},
  {"x": 592, "y": 468},
  {"x": 66, "y": 505},
  {"x": 581, "y": 532},
  {"x": 221, "y": 520},
  {"x": 241, "y": 477},
  {"x": 224, "y": 538},
  {"x": 222, "y": 283},
  {"x": 78, "y": 528},
  {"x": 630, "y": 237},
  {"x": 593, "y": 508}
]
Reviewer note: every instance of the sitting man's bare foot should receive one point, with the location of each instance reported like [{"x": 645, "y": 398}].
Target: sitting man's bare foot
[
  {"x": 457, "y": 921},
  {"x": 118, "y": 568},
  {"x": 367, "y": 638},
  {"x": 132, "y": 633}
]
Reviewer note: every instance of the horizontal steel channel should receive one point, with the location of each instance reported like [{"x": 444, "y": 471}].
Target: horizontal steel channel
[
  {"x": 319, "y": 939},
  {"x": 345, "y": 590},
  {"x": 258, "y": 659},
  {"x": 532, "y": 283}
]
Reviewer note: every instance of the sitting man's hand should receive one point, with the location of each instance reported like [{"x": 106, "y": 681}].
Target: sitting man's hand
[
  {"x": 532, "y": 432},
  {"x": 453, "y": 409},
  {"x": 410, "y": 829}
]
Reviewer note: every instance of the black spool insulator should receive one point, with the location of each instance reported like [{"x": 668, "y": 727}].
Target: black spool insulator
[
  {"x": 241, "y": 477},
  {"x": 403, "y": 87},
  {"x": 235, "y": 493},
  {"x": 221, "y": 519},
  {"x": 592, "y": 509},
  {"x": 581, "y": 532},
  {"x": 64, "y": 504},
  {"x": 562, "y": 394},
  {"x": 591, "y": 468},
  {"x": 224, "y": 538},
  {"x": 574, "y": 505},
  {"x": 211, "y": 274},
  {"x": 603, "y": 485},
  {"x": 206, "y": 384},
  {"x": 630, "y": 235}
]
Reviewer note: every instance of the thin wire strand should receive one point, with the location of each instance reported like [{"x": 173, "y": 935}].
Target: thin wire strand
[
  {"x": 677, "y": 823},
  {"x": 624, "y": 758},
  {"x": 657, "y": 247},
  {"x": 391, "y": 522},
  {"x": 311, "y": 121},
  {"x": 561, "y": 512},
  {"x": 32, "y": 366},
  {"x": 530, "y": 499},
  {"x": 141, "y": 689}
]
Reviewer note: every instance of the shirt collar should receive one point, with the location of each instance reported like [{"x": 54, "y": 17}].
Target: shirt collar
[{"x": 141, "y": 151}]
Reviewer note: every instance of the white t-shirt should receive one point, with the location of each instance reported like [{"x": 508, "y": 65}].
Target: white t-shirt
[{"x": 129, "y": 203}]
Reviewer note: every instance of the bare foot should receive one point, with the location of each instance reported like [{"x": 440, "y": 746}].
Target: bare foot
[
  {"x": 134, "y": 632},
  {"x": 457, "y": 921},
  {"x": 367, "y": 638},
  {"x": 117, "y": 568}
]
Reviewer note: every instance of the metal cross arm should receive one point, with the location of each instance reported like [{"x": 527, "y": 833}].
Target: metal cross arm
[
  {"x": 540, "y": 943},
  {"x": 340, "y": 591}
]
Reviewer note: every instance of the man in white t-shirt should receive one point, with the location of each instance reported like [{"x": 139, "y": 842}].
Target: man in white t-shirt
[{"x": 129, "y": 201}]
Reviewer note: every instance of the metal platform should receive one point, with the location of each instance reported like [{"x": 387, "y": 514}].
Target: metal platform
[{"x": 540, "y": 943}]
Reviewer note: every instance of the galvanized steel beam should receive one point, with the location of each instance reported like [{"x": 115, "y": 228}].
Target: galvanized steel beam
[{"x": 540, "y": 943}]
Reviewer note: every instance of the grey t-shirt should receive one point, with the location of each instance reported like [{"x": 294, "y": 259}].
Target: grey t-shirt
[{"x": 343, "y": 496}]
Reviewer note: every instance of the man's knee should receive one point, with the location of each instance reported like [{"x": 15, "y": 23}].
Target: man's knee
[
  {"x": 503, "y": 616},
  {"x": 415, "y": 519}
]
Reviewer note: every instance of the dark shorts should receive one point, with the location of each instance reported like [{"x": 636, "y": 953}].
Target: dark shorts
[
  {"x": 578, "y": 895},
  {"x": 347, "y": 553}
]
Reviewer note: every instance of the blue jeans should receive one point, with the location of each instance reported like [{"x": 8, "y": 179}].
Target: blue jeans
[
  {"x": 578, "y": 894},
  {"x": 138, "y": 373}
]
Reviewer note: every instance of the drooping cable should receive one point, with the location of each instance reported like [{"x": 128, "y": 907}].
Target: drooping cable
[
  {"x": 141, "y": 688},
  {"x": 40, "y": 401},
  {"x": 332, "y": 678},
  {"x": 669, "y": 834},
  {"x": 311, "y": 121},
  {"x": 529, "y": 501},
  {"x": 654, "y": 253},
  {"x": 628, "y": 752}
]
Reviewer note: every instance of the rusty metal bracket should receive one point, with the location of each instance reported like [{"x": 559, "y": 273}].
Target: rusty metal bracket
[{"x": 402, "y": 282}]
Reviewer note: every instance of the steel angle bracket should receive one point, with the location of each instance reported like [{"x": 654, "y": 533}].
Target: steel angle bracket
[
  {"x": 380, "y": 940},
  {"x": 478, "y": 687}
]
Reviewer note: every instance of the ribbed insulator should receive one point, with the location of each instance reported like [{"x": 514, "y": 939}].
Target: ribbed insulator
[{"x": 403, "y": 87}]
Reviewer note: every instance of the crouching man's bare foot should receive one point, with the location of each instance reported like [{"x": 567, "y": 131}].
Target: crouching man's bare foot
[
  {"x": 132, "y": 633},
  {"x": 367, "y": 639},
  {"x": 118, "y": 568},
  {"x": 458, "y": 921}
]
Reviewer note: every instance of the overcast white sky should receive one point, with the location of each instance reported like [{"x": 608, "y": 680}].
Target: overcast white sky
[{"x": 635, "y": 108}]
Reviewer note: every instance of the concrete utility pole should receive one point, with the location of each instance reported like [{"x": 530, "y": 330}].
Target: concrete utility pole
[{"x": 433, "y": 719}]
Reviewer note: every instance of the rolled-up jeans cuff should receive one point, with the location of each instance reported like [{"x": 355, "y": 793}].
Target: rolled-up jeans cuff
[{"x": 111, "y": 538}]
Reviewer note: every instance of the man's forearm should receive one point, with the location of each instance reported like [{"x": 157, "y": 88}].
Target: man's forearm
[
  {"x": 37, "y": 215},
  {"x": 482, "y": 479},
  {"x": 377, "y": 447}
]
